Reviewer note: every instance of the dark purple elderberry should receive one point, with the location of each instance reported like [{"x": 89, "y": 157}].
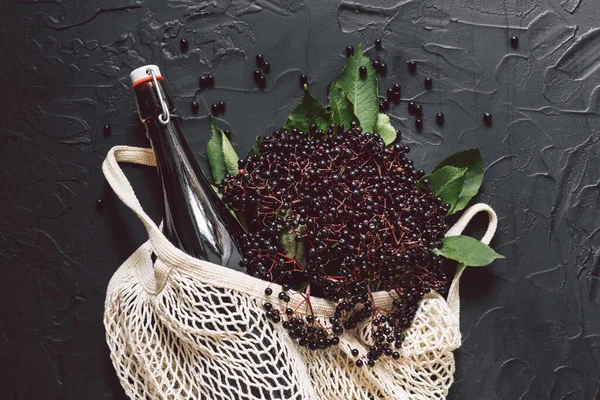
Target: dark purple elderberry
[
  {"x": 363, "y": 72},
  {"x": 349, "y": 51},
  {"x": 183, "y": 45},
  {"x": 384, "y": 105},
  {"x": 303, "y": 80},
  {"x": 260, "y": 60},
  {"x": 107, "y": 130},
  {"x": 412, "y": 67},
  {"x": 514, "y": 42},
  {"x": 378, "y": 44},
  {"x": 221, "y": 106},
  {"x": 382, "y": 69},
  {"x": 376, "y": 64},
  {"x": 439, "y": 119},
  {"x": 412, "y": 108},
  {"x": 210, "y": 81},
  {"x": 268, "y": 291},
  {"x": 206, "y": 81},
  {"x": 428, "y": 83},
  {"x": 338, "y": 192},
  {"x": 418, "y": 110},
  {"x": 266, "y": 67},
  {"x": 261, "y": 81},
  {"x": 215, "y": 109},
  {"x": 195, "y": 106},
  {"x": 419, "y": 124},
  {"x": 99, "y": 205},
  {"x": 487, "y": 118}
]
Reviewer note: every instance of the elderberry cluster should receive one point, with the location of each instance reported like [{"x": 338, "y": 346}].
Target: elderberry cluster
[{"x": 345, "y": 215}]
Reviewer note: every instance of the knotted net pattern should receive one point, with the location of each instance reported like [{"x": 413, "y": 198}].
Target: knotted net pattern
[{"x": 188, "y": 329}]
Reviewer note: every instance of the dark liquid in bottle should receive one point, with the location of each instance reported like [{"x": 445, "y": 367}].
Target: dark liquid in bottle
[{"x": 196, "y": 220}]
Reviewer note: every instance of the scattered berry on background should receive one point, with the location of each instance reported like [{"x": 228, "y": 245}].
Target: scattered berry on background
[
  {"x": 107, "y": 130},
  {"x": 349, "y": 51},
  {"x": 439, "y": 119},
  {"x": 412, "y": 67},
  {"x": 183, "y": 45},
  {"x": 428, "y": 83},
  {"x": 487, "y": 118},
  {"x": 303, "y": 80},
  {"x": 195, "y": 106}
]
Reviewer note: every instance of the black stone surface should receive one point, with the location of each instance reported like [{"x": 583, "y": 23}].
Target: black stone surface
[{"x": 530, "y": 323}]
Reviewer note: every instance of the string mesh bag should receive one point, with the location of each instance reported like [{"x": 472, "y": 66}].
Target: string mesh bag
[{"x": 183, "y": 328}]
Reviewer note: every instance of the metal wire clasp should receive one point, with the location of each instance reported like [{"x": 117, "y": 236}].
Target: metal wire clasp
[{"x": 165, "y": 117}]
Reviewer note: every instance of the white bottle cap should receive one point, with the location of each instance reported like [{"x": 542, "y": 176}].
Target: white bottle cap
[{"x": 141, "y": 74}]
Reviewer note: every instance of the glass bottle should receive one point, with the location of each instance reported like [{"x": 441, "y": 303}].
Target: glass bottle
[{"x": 196, "y": 220}]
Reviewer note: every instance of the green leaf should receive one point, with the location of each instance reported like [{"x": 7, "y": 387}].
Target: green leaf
[
  {"x": 472, "y": 160},
  {"x": 308, "y": 111},
  {"x": 293, "y": 247},
  {"x": 385, "y": 128},
  {"x": 342, "y": 111},
  {"x": 221, "y": 154},
  {"x": 447, "y": 183},
  {"x": 362, "y": 93},
  {"x": 215, "y": 153},
  {"x": 467, "y": 250},
  {"x": 230, "y": 156},
  {"x": 255, "y": 150}
]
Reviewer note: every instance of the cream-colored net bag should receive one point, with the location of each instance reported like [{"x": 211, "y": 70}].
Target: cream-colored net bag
[{"x": 188, "y": 329}]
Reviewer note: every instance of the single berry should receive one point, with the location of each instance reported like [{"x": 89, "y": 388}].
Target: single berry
[
  {"x": 412, "y": 67},
  {"x": 487, "y": 118},
  {"x": 99, "y": 205},
  {"x": 363, "y": 72},
  {"x": 378, "y": 44},
  {"x": 256, "y": 74},
  {"x": 349, "y": 51},
  {"x": 227, "y": 133},
  {"x": 419, "y": 124},
  {"x": 514, "y": 42},
  {"x": 303, "y": 80},
  {"x": 439, "y": 119},
  {"x": 261, "y": 81},
  {"x": 376, "y": 64},
  {"x": 428, "y": 83},
  {"x": 268, "y": 291},
  {"x": 412, "y": 107},
  {"x": 221, "y": 106},
  {"x": 355, "y": 352},
  {"x": 210, "y": 80},
  {"x": 397, "y": 88},
  {"x": 183, "y": 45},
  {"x": 203, "y": 81},
  {"x": 267, "y": 67},
  {"x": 384, "y": 105},
  {"x": 195, "y": 106},
  {"x": 215, "y": 109},
  {"x": 383, "y": 69},
  {"x": 395, "y": 355},
  {"x": 107, "y": 130},
  {"x": 260, "y": 60},
  {"x": 359, "y": 363},
  {"x": 418, "y": 110}
]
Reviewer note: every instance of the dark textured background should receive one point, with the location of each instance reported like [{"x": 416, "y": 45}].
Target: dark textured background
[{"x": 531, "y": 323}]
